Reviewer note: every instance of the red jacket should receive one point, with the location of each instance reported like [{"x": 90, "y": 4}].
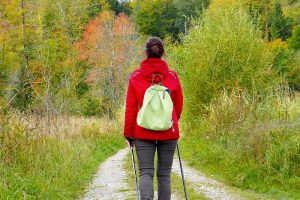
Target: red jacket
[{"x": 138, "y": 82}]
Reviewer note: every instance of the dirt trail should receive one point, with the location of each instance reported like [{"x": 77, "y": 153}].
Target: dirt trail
[
  {"x": 109, "y": 182},
  {"x": 212, "y": 189}
]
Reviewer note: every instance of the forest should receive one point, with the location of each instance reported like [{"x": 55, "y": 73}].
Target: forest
[{"x": 64, "y": 69}]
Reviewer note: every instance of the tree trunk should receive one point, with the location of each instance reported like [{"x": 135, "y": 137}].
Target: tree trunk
[{"x": 24, "y": 61}]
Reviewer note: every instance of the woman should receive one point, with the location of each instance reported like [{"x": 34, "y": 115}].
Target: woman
[{"x": 146, "y": 141}]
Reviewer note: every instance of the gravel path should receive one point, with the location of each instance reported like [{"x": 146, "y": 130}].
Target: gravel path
[
  {"x": 110, "y": 182},
  {"x": 212, "y": 189}
]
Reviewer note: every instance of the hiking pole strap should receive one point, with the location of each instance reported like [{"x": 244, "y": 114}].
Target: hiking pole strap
[{"x": 182, "y": 175}]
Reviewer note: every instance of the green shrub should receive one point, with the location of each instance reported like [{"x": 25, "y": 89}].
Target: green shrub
[
  {"x": 294, "y": 41},
  {"x": 92, "y": 107},
  {"x": 222, "y": 51},
  {"x": 285, "y": 63},
  {"x": 157, "y": 18}
]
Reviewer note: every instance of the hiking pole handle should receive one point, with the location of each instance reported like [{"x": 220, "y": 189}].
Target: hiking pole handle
[{"x": 182, "y": 175}]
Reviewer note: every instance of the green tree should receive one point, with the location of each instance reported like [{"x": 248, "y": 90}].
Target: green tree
[
  {"x": 260, "y": 12},
  {"x": 281, "y": 26},
  {"x": 94, "y": 8},
  {"x": 49, "y": 22},
  {"x": 188, "y": 9},
  {"x": 224, "y": 50},
  {"x": 157, "y": 18},
  {"x": 294, "y": 41},
  {"x": 120, "y": 6},
  {"x": 21, "y": 92}
]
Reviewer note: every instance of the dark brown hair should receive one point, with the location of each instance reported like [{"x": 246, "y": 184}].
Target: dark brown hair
[{"x": 154, "y": 48}]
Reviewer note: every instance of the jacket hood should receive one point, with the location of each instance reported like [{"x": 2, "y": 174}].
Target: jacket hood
[{"x": 152, "y": 66}]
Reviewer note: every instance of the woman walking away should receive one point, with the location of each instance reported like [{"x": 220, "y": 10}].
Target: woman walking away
[{"x": 153, "y": 107}]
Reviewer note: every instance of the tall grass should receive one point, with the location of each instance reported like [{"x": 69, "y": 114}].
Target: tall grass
[
  {"x": 36, "y": 165},
  {"x": 253, "y": 143},
  {"x": 236, "y": 125}
]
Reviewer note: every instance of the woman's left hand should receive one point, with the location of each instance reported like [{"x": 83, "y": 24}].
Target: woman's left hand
[{"x": 130, "y": 141}]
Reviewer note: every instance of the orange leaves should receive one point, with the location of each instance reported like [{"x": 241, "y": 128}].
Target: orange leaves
[
  {"x": 95, "y": 27},
  {"x": 92, "y": 36},
  {"x": 108, "y": 45},
  {"x": 107, "y": 42},
  {"x": 124, "y": 39},
  {"x": 122, "y": 25},
  {"x": 98, "y": 43}
]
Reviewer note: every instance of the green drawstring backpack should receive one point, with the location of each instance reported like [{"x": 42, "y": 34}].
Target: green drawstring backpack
[{"x": 156, "y": 112}]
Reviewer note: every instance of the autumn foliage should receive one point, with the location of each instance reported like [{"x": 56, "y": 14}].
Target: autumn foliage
[{"x": 108, "y": 45}]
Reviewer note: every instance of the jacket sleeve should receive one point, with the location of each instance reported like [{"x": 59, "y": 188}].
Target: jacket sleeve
[
  {"x": 178, "y": 103},
  {"x": 130, "y": 111}
]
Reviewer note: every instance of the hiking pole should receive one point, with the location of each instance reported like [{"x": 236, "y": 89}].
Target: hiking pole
[
  {"x": 182, "y": 175},
  {"x": 134, "y": 169}
]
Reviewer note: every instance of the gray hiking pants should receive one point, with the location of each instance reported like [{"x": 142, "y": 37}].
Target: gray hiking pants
[{"x": 145, "y": 150}]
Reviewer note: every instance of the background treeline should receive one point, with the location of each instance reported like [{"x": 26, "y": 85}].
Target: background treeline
[
  {"x": 50, "y": 50},
  {"x": 60, "y": 61},
  {"x": 63, "y": 60},
  {"x": 53, "y": 51}
]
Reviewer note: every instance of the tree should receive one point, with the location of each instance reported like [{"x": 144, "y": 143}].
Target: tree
[
  {"x": 281, "y": 26},
  {"x": 3, "y": 40},
  {"x": 38, "y": 61},
  {"x": 260, "y": 12},
  {"x": 74, "y": 15},
  {"x": 285, "y": 62},
  {"x": 294, "y": 41},
  {"x": 49, "y": 22},
  {"x": 108, "y": 45},
  {"x": 120, "y": 7},
  {"x": 222, "y": 51},
  {"x": 96, "y": 6},
  {"x": 187, "y": 10},
  {"x": 22, "y": 90},
  {"x": 157, "y": 18}
]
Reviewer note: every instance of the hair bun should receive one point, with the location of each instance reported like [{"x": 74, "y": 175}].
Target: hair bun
[{"x": 154, "y": 47}]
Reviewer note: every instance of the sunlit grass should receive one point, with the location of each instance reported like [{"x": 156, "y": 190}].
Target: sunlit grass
[
  {"x": 249, "y": 143},
  {"x": 56, "y": 166}
]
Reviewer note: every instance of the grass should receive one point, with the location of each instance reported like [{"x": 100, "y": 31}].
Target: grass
[
  {"x": 249, "y": 144},
  {"x": 176, "y": 185},
  {"x": 242, "y": 125},
  {"x": 56, "y": 166}
]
